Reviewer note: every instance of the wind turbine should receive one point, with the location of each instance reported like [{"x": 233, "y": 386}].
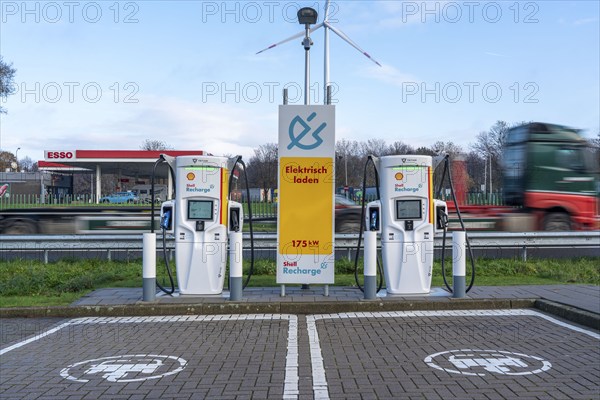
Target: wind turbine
[{"x": 326, "y": 25}]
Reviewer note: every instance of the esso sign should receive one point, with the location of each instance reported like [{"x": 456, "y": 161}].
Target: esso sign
[{"x": 62, "y": 155}]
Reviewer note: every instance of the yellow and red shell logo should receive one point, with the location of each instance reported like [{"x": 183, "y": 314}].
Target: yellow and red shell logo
[
  {"x": 399, "y": 176},
  {"x": 191, "y": 176}
]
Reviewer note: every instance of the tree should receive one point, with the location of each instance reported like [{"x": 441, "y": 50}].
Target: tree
[
  {"x": 488, "y": 147},
  {"x": 154, "y": 144},
  {"x": 6, "y": 160},
  {"x": 262, "y": 167},
  {"x": 400, "y": 148},
  {"x": 374, "y": 147},
  {"x": 349, "y": 162},
  {"x": 490, "y": 143},
  {"x": 440, "y": 147},
  {"x": 7, "y": 74},
  {"x": 26, "y": 164}
]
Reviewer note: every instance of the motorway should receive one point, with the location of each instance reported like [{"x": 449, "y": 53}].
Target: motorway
[{"x": 494, "y": 354}]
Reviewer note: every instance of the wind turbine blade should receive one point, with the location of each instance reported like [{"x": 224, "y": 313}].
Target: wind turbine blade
[
  {"x": 349, "y": 41},
  {"x": 296, "y": 36},
  {"x": 326, "y": 10}
]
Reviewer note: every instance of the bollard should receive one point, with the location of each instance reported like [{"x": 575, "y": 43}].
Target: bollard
[
  {"x": 149, "y": 267},
  {"x": 370, "y": 265},
  {"x": 235, "y": 266},
  {"x": 458, "y": 264}
]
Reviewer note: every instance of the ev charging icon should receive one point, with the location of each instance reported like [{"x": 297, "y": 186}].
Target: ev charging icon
[{"x": 296, "y": 140}]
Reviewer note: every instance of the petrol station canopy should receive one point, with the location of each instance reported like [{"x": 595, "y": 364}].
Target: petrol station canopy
[
  {"x": 137, "y": 164},
  {"x": 133, "y": 163}
]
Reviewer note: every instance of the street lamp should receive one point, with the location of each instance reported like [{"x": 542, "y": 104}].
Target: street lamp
[
  {"x": 307, "y": 16},
  {"x": 17, "y": 157}
]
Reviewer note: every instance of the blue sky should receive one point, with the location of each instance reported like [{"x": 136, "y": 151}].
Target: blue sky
[{"x": 108, "y": 74}]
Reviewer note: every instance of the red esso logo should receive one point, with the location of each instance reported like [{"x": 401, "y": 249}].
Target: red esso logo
[{"x": 60, "y": 154}]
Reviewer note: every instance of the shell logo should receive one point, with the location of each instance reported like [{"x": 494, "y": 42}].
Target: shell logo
[
  {"x": 191, "y": 176},
  {"x": 399, "y": 176}
]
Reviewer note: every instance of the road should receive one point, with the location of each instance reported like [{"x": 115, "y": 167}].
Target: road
[{"x": 421, "y": 354}]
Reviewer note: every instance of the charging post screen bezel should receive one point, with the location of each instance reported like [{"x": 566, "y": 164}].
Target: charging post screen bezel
[
  {"x": 192, "y": 214},
  {"x": 409, "y": 216}
]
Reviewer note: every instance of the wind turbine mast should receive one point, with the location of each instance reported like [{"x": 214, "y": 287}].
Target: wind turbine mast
[
  {"x": 327, "y": 26},
  {"x": 326, "y": 98}
]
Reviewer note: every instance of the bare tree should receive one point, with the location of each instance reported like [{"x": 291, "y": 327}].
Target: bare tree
[
  {"x": 262, "y": 167},
  {"x": 7, "y": 74},
  {"x": 488, "y": 146},
  {"x": 155, "y": 144},
  {"x": 490, "y": 143},
  {"x": 349, "y": 162},
  {"x": 450, "y": 148},
  {"x": 26, "y": 164},
  {"x": 400, "y": 148},
  {"x": 374, "y": 147}
]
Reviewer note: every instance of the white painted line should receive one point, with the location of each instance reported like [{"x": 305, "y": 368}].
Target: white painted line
[
  {"x": 568, "y": 326},
  {"x": 34, "y": 338},
  {"x": 458, "y": 313},
  {"x": 290, "y": 387},
  {"x": 320, "y": 388},
  {"x": 290, "y": 390}
]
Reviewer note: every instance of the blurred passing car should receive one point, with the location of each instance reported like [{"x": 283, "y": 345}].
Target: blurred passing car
[
  {"x": 120, "y": 198},
  {"x": 347, "y": 215}
]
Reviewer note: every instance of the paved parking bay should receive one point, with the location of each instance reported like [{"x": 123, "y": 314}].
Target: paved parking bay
[
  {"x": 494, "y": 354},
  {"x": 229, "y": 356}
]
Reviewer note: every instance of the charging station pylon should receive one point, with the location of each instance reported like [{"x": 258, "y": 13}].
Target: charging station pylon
[
  {"x": 405, "y": 216},
  {"x": 202, "y": 219}
]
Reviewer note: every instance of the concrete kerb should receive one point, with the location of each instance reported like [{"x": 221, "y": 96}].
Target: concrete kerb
[
  {"x": 259, "y": 308},
  {"x": 573, "y": 314}
]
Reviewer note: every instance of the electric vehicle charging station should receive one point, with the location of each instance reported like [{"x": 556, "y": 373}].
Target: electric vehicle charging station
[
  {"x": 406, "y": 217},
  {"x": 202, "y": 218}
]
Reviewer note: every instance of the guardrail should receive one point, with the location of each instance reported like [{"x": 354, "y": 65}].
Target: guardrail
[{"x": 133, "y": 242}]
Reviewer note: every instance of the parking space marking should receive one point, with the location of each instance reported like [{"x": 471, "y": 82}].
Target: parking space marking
[
  {"x": 291, "y": 378},
  {"x": 34, "y": 338},
  {"x": 320, "y": 386}
]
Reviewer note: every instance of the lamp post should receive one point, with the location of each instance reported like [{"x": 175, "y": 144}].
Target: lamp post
[
  {"x": 307, "y": 16},
  {"x": 17, "y": 157}
]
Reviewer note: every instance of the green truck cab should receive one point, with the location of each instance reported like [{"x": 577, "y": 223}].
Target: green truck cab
[{"x": 550, "y": 171}]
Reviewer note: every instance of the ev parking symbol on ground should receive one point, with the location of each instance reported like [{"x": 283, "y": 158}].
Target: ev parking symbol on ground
[
  {"x": 126, "y": 368},
  {"x": 472, "y": 362}
]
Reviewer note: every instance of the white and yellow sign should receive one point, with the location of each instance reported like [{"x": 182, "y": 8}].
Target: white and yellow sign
[{"x": 306, "y": 218}]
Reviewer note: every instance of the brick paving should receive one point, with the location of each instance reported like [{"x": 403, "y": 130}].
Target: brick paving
[
  {"x": 366, "y": 356},
  {"x": 363, "y": 356},
  {"x": 383, "y": 358},
  {"x": 226, "y": 359}
]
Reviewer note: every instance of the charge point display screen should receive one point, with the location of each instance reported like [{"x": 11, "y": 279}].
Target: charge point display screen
[
  {"x": 408, "y": 209},
  {"x": 200, "y": 210}
]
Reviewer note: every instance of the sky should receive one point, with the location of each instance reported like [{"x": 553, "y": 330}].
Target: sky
[{"x": 110, "y": 74}]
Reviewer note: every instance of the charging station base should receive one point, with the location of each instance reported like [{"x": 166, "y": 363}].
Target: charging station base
[{"x": 435, "y": 292}]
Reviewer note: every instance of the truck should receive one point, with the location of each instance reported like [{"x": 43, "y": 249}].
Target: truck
[
  {"x": 551, "y": 174},
  {"x": 69, "y": 220}
]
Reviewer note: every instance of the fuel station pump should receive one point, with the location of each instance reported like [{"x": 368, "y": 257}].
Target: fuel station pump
[
  {"x": 202, "y": 218},
  {"x": 406, "y": 217}
]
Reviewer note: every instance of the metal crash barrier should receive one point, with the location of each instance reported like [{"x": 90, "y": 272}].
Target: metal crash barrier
[{"x": 107, "y": 245}]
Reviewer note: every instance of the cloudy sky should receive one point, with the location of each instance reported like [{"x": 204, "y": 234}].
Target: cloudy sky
[{"x": 110, "y": 74}]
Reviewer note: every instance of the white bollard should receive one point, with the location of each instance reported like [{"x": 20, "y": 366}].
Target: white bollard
[
  {"x": 459, "y": 255},
  {"x": 149, "y": 267},
  {"x": 370, "y": 264},
  {"x": 235, "y": 266}
]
